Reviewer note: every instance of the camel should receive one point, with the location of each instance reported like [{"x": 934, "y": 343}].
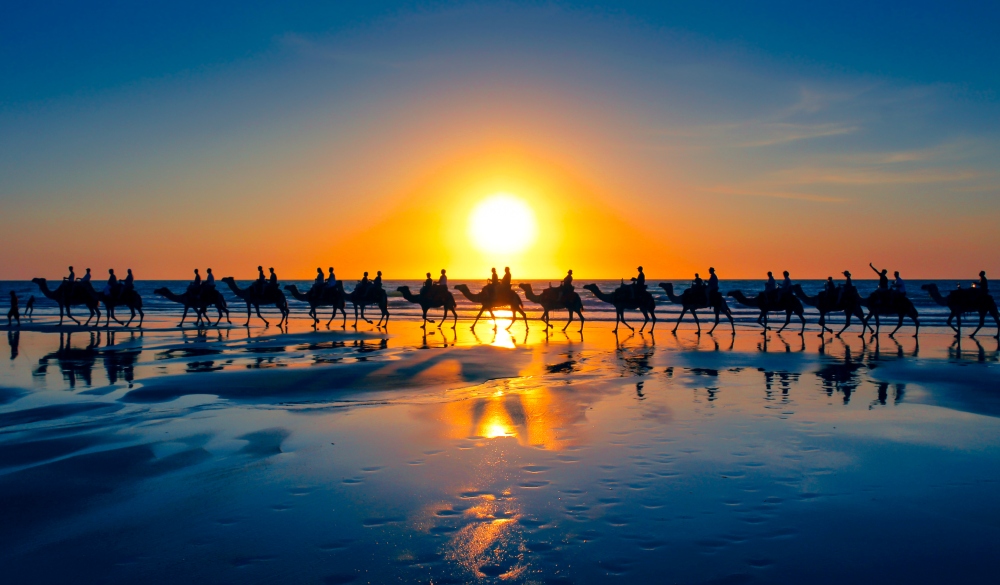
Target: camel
[
  {"x": 552, "y": 299},
  {"x": 966, "y": 300},
  {"x": 490, "y": 299},
  {"x": 199, "y": 303},
  {"x": 772, "y": 303},
  {"x": 326, "y": 297},
  {"x": 437, "y": 296},
  {"x": 826, "y": 302},
  {"x": 269, "y": 296},
  {"x": 129, "y": 298},
  {"x": 890, "y": 303},
  {"x": 623, "y": 300},
  {"x": 690, "y": 300},
  {"x": 67, "y": 295},
  {"x": 374, "y": 295}
]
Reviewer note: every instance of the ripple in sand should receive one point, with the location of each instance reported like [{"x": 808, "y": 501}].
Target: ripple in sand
[
  {"x": 608, "y": 501},
  {"x": 536, "y": 547},
  {"x": 340, "y": 544},
  {"x": 445, "y": 513},
  {"x": 228, "y": 521},
  {"x": 533, "y": 484},
  {"x": 760, "y": 563},
  {"x": 353, "y": 481},
  {"x": 372, "y": 469},
  {"x": 567, "y": 458},
  {"x": 615, "y": 566},
  {"x": 281, "y": 507},
  {"x": 374, "y": 522},
  {"x": 536, "y": 468}
]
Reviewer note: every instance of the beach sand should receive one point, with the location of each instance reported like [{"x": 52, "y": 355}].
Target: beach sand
[{"x": 331, "y": 456}]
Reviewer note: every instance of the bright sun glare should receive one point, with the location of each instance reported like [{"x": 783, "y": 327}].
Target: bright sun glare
[{"x": 502, "y": 224}]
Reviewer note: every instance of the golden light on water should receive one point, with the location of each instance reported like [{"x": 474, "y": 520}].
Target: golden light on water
[{"x": 502, "y": 224}]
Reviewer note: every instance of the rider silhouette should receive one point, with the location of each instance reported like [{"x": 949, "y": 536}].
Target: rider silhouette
[
  {"x": 319, "y": 280},
  {"x": 128, "y": 284},
  {"x": 638, "y": 284},
  {"x": 566, "y": 286},
  {"x": 830, "y": 287},
  {"x": 377, "y": 283},
  {"x": 984, "y": 285},
  {"x": 86, "y": 278},
  {"x": 786, "y": 284},
  {"x": 209, "y": 283},
  {"x": 494, "y": 279},
  {"x": 273, "y": 280},
  {"x": 428, "y": 283},
  {"x": 898, "y": 285},
  {"x": 195, "y": 285},
  {"x": 363, "y": 285},
  {"x": 506, "y": 277},
  {"x": 713, "y": 284},
  {"x": 770, "y": 286},
  {"x": 331, "y": 280},
  {"x": 883, "y": 280},
  {"x": 848, "y": 287},
  {"x": 112, "y": 289},
  {"x": 72, "y": 276},
  {"x": 443, "y": 280},
  {"x": 261, "y": 280}
]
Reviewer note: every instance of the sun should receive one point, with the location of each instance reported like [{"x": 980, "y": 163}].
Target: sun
[{"x": 502, "y": 223}]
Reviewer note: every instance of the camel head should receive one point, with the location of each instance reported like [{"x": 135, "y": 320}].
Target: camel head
[
  {"x": 228, "y": 279},
  {"x": 667, "y": 286},
  {"x": 161, "y": 292},
  {"x": 404, "y": 290},
  {"x": 40, "y": 281},
  {"x": 462, "y": 287},
  {"x": 592, "y": 288},
  {"x": 526, "y": 287}
]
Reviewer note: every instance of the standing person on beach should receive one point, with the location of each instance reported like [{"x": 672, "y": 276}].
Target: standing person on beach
[
  {"x": 29, "y": 307},
  {"x": 13, "y": 312}
]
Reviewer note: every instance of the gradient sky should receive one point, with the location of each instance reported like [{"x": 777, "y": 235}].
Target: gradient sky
[{"x": 749, "y": 136}]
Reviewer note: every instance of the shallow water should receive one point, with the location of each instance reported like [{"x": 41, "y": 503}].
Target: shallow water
[{"x": 254, "y": 455}]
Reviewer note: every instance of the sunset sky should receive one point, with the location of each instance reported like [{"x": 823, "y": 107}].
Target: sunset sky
[{"x": 746, "y": 136}]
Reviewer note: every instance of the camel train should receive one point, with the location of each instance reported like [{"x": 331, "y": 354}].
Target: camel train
[{"x": 789, "y": 299}]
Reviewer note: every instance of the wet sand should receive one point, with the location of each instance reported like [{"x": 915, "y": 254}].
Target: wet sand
[{"x": 337, "y": 456}]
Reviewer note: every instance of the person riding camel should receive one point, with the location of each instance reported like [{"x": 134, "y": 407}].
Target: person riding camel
[
  {"x": 848, "y": 288},
  {"x": 713, "y": 285},
  {"x": 786, "y": 285},
  {"x": 377, "y": 283},
  {"x": 195, "y": 286},
  {"x": 209, "y": 283},
  {"x": 984, "y": 285},
  {"x": 319, "y": 281},
  {"x": 698, "y": 286},
  {"x": 428, "y": 283},
  {"x": 830, "y": 287},
  {"x": 505, "y": 281},
  {"x": 363, "y": 285},
  {"x": 898, "y": 285},
  {"x": 770, "y": 287},
  {"x": 883, "y": 279},
  {"x": 72, "y": 276},
  {"x": 272, "y": 282},
  {"x": 111, "y": 289},
  {"x": 261, "y": 281},
  {"x": 85, "y": 281},
  {"x": 128, "y": 285},
  {"x": 638, "y": 284},
  {"x": 331, "y": 279},
  {"x": 566, "y": 286},
  {"x": 443, "y": 280}
]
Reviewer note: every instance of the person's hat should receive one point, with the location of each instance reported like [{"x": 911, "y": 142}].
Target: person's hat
[{"x": 847, "y": 273}]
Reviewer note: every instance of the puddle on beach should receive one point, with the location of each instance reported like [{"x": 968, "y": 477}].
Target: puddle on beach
[{"x": 341, "y": 457}]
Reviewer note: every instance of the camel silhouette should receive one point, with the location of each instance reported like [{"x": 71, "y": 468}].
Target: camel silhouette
[
  {"x": 888, "y": 303},
  {"x": 623, "y": 300},
  {"x": 128, "y": 298},
  {"x": 69, "y": 294},
  {"x": 827, "y": 302},
  {"x": 690, "y": 300},
  {"x": 966, "y": 300},
  {"x": 772, "y": 303},
  {"x": 269, "y": 296},
  {"x": 198, "y": 302},
  {"x": 372, "y": 295},
  {"x": 553, "y": 299},
  {"x": 324, "y": 297},
  {"x": 437, "y": 296},
  {"x": 492, "y": 297}
]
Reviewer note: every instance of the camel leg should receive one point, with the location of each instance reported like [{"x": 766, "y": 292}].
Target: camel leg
[
  {"x": 625, "y": 323},
  {"x": 847, "y": 323},
  {"x": 950, "y": 319},
  {"x": 476, "y": 320},
  {"x": 717, "y": 312},
  {"x": 355, "y": 316},
  {"x": 802, "y": 317},
  {"x": 257, "y": 309},
  {"x": 788, "y": 319},
  {"x": 898, "y": 325},
  {"x": 958, "y": 331},
  {"x": 525, "y": 317},
  {"x": 142, "y": 316},
  {"x": 570, "y": 311},
  {"x": 582, "y": 321},
  {"x": 454, "y": 314},
  {"x": 69, "y": 313},
  {"x": 982, "y": 320},
  {"x": 694, "y": 314},
  {"x": 679, "y": 318},
  {"x": 132, "y": 318}
]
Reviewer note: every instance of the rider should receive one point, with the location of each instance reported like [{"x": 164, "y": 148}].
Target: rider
[
  {"x": 129, "y": 283},
  {"x": 506, "y": 277},
  {"x": 261, "y": 280},
  {"x": 984, "y": 285},
  {"x": 363, "y": 284},
  {"x": 209, "y": 280},
  {"x": 698, "y": 286},
  {"x": 848, "y": 287},
  {"x": 443, "y": 280},
  {"x": 428, "y": 283},
  {"x": 72, "y": 276},
  {"x": 770, "y": 286},
  {"x": 112, "y": 289},
  {"x": 195, "y": 285},
  {"x": 273, "y": 280},
  {"x": 786, "y": 284},
  {"x": 86, "y": 278},
  {"x": 713, "y": 284},
  {"x": 898, "y": 285},
  {"x": 331, "y": 280},
  {"x": 830, "y": 287},
  {"x": 319, "y": 280},
  {"x": 566, "y": 287},
  {"x": 883, "y": 280},
  {"x": 494, "y": 279},
  {"x": 638, "y": 284},
  {"x": 377, "y": 283}
]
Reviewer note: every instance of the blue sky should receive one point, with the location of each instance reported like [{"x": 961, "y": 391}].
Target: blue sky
[{"x": 851, "y": 129}]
